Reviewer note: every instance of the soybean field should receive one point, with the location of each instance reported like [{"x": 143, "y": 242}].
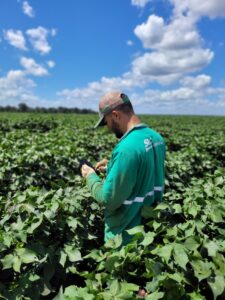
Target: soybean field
[{"x": 51, "y": 229}]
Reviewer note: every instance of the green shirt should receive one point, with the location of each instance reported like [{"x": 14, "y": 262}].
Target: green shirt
[{"x": 134, "y": 178}]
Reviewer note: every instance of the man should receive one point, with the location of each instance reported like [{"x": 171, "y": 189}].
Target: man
[{"x": 135, "y": 173}]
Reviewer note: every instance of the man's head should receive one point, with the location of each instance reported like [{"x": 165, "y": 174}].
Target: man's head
[{"x": 115, "y": 109}]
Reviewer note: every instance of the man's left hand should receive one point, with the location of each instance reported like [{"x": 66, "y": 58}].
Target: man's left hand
[{"x": 86, "y": 170}]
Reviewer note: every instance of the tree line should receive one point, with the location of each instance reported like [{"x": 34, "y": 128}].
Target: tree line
[{"x": 23, "y": 107}]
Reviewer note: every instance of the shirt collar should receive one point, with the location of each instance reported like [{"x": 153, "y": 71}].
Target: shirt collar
[{"x": 134, "y": 127}]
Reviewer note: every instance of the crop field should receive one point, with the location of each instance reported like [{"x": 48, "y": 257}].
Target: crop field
[{"x": 51, "y": 230}]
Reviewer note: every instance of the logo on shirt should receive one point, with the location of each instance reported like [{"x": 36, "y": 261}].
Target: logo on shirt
[{"x": 148, "y": 144}]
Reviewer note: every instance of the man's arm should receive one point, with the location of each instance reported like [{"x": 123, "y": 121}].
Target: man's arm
[{"x": 118, "y": 184}]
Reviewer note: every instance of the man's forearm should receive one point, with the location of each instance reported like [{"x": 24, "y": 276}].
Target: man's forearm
[{"x": 95, "y": 185}]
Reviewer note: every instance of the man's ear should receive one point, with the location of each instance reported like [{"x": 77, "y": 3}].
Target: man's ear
[{"x": 116, "y": 114}]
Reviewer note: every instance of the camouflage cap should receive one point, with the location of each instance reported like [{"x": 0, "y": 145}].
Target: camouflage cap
[{"x": 108, "y": 103}]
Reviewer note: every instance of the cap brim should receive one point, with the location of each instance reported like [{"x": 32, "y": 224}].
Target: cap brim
[{"x": 101, "y": 122}]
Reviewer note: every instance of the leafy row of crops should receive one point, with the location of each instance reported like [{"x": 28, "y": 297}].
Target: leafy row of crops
[{"x": 51, "y": 230}]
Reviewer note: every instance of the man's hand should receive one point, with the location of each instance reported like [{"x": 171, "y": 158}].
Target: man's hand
[
  {"x": 86, "y": 170},
  {"x": 101, "y": 165}
]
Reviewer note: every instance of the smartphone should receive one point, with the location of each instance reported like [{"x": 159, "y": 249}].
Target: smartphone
[{"x": 83, "y": 161}]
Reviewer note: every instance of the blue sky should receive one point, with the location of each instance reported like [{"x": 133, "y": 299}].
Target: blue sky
[{"x": 168, "y": 56}]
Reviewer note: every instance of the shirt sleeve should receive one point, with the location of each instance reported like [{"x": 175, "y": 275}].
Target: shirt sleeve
[{"x": 118, "y": 184}]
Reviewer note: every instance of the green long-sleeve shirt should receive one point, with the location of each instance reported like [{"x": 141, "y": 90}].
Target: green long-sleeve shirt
[{"x": 135, "y": 177}]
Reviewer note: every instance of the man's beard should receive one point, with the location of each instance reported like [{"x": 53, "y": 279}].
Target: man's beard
[{"x": 115, "y": 129}]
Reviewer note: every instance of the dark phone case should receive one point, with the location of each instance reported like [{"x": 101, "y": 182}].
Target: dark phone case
[{"x": 86, "y": 162}]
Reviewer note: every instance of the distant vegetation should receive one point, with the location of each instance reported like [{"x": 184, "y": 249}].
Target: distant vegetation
[{"x": 23, "y": 107}]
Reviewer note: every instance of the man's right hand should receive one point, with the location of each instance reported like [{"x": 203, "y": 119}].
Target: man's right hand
[{"x": 101, "y": 165}]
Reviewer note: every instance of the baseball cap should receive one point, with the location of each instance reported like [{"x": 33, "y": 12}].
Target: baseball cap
[{"x": 109, "y": 102}]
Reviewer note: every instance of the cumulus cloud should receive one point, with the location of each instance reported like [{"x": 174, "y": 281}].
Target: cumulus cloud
[
  {"x": 173, "y": 64},
  {"x": 139, "y": 3},
  {"x": 27, "y": 9},
  {"x": 194, "y": 96},
  {"x": 176, "y": 49},
  {"x": 200, "y": 81},
  {"x": 15, "y": 38},
  {"x": 179, "y": 34},
  {"x": 199, "y": 8},
  {"x": 15, "y": 87},
  {"x": 32, "y": 68},
  {"x": 38, "y": 38}
]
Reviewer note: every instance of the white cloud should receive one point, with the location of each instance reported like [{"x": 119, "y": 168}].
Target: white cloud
[
  {"x": 179, "y": 34},
  {"x": 15, "y": 38},
  {"x": 159, "y": 64},
  {"x": 151, "y": 32},
  {"x": 27, "y": 9},
  {"x": 130, "y": 43},
  {"x": 176, "y": 49},
  {"x": 51, "y": 64},
  {"x": 38, "y": 38},
  {"x": 53, "y": 32},
  {"x": 139, "y": 3},
  {"x": 32, "y": 68},
  {"x": 189, "y": 98},
  {"x": 200, "y": 81},
  {"x": 194, "y": 96},
  {"x": 14, "y": 87},
  {"x": 199, "y": 8}
]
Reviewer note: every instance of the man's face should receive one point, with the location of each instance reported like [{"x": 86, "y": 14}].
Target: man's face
[{"x": 113, "y": 126}]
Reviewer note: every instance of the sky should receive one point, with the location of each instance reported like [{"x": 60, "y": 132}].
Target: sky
[{"x": 168, "y": 56}]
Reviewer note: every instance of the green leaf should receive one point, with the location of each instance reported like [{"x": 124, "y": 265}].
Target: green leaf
[
  {"x": 114, "y": 287},
  {"x": 148, "y": 238},
  {"x": 136, "y": 230},
  {"x": 73, "y": 292},
  {"x": 63, "y": 257},
  {"x": 164, "y": 252},
  {"x": 16, "y": 263},
  {"x": 119, "y": 290},
  {"x": 191, "y": 243},
  {"x": 216, "y": 216},
  {"x": 219, "y": 180},
  {"x": 217, "y": 285},
  {"x": 129, "y": 286},
  {"x": 72, "y": 222},
  {"x": 59, "y": 296},
  {"x": 219, "y": 261},
  {"x": 34, "y": 277},
  {"x": 35, "y": 225},
  {"x": 202, "y": 269},
  {"x": 155, "y": 296},
  {"x": 178, "y": 277},
  {"x": 111, "y": 262},
  {"x": 180, "y": 256},
  {"x": 177, "y": 208},
  {"x": 153, "y": 267},
  {"x": 26, "y": 255},
  {"x": 115, "y": 242},
  {"x": 7, "y": 240},
  {"x": 196, "y": 296},
  {"x": 8, "y": 261},
  {"x": 212, "y": 248},
  {"x": 162, "y": 206},
  {"x": 73, "y": 253}
]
